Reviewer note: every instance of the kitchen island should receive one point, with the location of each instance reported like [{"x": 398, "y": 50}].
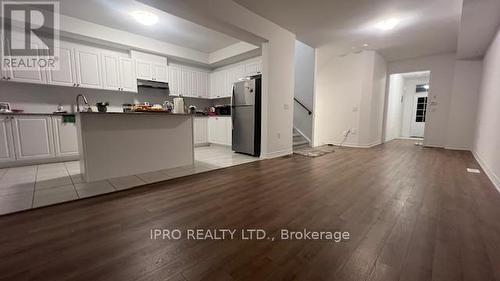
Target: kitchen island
[{"x": 115, "y": 144}]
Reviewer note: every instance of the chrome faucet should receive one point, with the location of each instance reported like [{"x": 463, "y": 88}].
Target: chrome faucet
[{"x": 78, "y": 101}]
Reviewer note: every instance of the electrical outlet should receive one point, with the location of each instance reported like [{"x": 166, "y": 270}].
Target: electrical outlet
[
  {"x": 354, "y": 131},
  {"x": 355, "y": 109}
]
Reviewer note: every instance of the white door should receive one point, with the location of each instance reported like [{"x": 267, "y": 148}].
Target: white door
[
  {"x": 6, "y": 140},
  {"x": 33, "y": 138},
  {"x": 65, "y": 74},
  {"x": 88, "y": 67},
  {"x": 419, "y": 112},
  {"x": 160, "y": 72},
  {"x": 65, "y": 137},
  {"x": 111, "y": 72},
  {"x": 144, "y": 70},
  {"x": 175, "y": 80},
  {"x": 200, "y": 130},
  {"x": 128, "y": 78}
]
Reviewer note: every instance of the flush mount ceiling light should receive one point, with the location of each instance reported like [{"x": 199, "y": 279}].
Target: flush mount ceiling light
[
  {"x": 387, "y": 24},
  {"x": 144, "y": 17}
]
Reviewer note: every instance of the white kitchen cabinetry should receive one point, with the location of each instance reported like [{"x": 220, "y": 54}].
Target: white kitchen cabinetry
[
  {"x": 147, "y": 70},
  {"x": 174, "y": 84},
  {"x": 7, "y": 153},
  {"x": 202, "y": 84},
  {"x": 36, "y": 139},
  {"x": 33, "y": 137},
  {"x": 88, "y": 67},
  {"x": 188, "y": 82},
  {"x": 219, "y": 130},
  {"x": 200, "y": 130},
  {"x": 128, "y": 80},
  {"x": 111, "y": 71},
  {"x": 160, "y": 72},
  {"x": 64, "y": 75},
  {"x": 144, "y": 70},
  {"x": 253, "y": 68},
  {"x": 65, "y": 137},
  {"x": 36, "y": 76},
  {"x": 186, "y": 88}
]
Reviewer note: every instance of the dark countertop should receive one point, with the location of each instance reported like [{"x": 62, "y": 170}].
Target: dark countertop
[
  {"x": 35, "y": 113},
  {"x": 136, "y": 113}
]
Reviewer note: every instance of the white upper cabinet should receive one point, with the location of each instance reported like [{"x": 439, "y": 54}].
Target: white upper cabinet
[
  {"x": 128, "y": 78},
  {"x": 88, "y": 67},
  {"x": 111, "y": 71},
  {"x": 174, "y": 83},
  {"x": 253, "y": 68},
  {"x": 186, "y": 82},
  {"x": 37, "y": 75},
  {"x": 65, "y": 74},
  {"x": 160, "y": 72},
  {"x": 144, "y": 70},
  {"x": 6, "y": 142},
  {"x": 33, "y": 137},
  {"x": 202, "y": 84}
]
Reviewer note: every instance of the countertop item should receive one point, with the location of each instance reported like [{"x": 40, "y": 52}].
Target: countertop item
[{"x": 178, "y": 105}]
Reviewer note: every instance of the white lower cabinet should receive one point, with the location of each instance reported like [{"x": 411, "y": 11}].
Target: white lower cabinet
[
  {"x": 219, "y": 130},
  {"x": 200, "y": 130},
  {"x": 7, "y": 153},
  {"x": 36, "y": 139},
  {"x": 33, "y": 137},
  {"x": 65, "y": 137}
]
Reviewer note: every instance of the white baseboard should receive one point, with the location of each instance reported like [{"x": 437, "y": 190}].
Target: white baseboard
[
  {"x": 491, "y": 175},
  {"x": 353, "y": 145},
  {"x": 276, "y": 154},
  {"x": 457, "y": 148}
]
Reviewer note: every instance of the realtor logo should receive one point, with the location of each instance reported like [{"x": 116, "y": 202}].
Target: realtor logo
[{"x": 30, "y": 34}]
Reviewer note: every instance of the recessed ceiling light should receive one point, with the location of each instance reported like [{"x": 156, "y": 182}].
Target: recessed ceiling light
[
  {"x": 145, "y": 18},
  {"x": 388, "y": 24},
  {"x": 365, "y": 45}
]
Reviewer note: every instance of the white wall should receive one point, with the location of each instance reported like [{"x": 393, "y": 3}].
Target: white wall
[
  {"x": 394, "y": 115},
  {"x": 349, "y": 94},
  {"x": 372, "y": 134},
  {"x": 441, "y": 85},
  {"x": 463, "y": 106},
  {"x": 304, "y": 87},
  {"x": 487, "y": 138},
  {"x": 234, "y": 20}
]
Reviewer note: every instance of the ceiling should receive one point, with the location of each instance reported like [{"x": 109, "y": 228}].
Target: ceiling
[
  {"x": 479, "y": 24},
  {"x": 426, "y": 26},
  {"x": 171, "y": 29},
  {"x": 416, "y": 75}
]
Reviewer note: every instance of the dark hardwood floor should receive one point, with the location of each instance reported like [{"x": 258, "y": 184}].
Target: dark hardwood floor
[{"x": 413, "y": 213}]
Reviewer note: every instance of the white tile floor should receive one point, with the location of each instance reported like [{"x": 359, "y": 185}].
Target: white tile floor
[{"x": 28, "y": 187}]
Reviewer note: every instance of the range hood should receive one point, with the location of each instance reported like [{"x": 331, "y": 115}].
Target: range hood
[{"x": 151, "y": 84}]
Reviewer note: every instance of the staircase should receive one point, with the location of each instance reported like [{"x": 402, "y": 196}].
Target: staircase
[{"x": 299, "y": 141}]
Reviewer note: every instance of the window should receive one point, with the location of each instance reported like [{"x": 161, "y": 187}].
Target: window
[{"x": 421, "y": 109}]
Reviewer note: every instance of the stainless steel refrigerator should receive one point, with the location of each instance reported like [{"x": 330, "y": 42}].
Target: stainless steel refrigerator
[{"x": 245, "y": 115}]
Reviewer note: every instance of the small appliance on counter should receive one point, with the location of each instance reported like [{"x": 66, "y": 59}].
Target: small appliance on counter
[
  {"x": 102, "y": 106},
  {"x": 211, "y": 111},
  {"x": 127, "y": 107},
  {"x": 178, "y": 105},
  {"x": 168, "y": 106},
  {"x": 223, "y": 110},
  {"x": 192, "y": 109},
  {"x": 5, "y": 107}
]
